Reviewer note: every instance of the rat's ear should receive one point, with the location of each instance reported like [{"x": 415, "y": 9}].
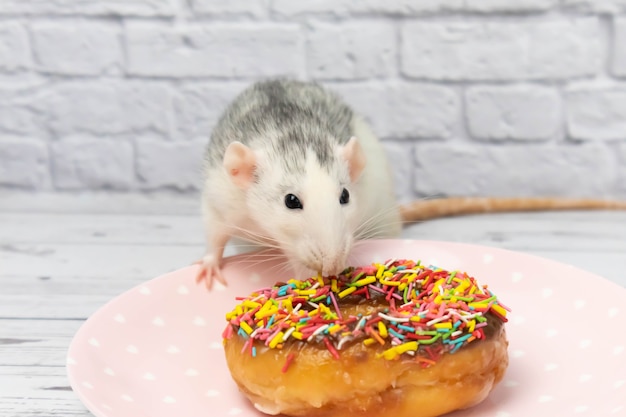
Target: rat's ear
[
  {"x": 353, "y": 153},
  {"x": 240, "y": 163}
]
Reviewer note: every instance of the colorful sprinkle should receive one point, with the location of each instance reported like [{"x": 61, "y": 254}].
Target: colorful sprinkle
[
  {"x": 288, "y": 362},
  {"x": 426, "y": 305}
]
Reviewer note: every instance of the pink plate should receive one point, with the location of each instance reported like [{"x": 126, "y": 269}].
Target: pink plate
[{"x": 156, "y": 350}]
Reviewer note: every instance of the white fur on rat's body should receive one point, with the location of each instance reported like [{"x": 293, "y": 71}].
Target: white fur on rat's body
[{"x": 288, "y": 137}]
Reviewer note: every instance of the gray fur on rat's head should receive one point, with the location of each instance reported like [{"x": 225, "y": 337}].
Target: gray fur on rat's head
[
  {"x": 289, "y": 140},
  {"x": 286, "y": 115}
]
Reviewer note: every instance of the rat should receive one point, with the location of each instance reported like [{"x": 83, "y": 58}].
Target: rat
[{"x": 291, "y": 166}]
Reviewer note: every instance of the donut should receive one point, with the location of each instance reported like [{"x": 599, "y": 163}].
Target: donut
[{"x": 394, "y": 339}]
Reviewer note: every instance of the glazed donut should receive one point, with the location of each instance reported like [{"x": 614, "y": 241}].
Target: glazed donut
[{"x": 395, "y": 339}]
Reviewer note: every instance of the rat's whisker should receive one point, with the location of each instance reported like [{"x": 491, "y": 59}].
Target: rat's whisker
[
  {"x": 374, "y": 227},
  {"x": 376, "y": 217}
]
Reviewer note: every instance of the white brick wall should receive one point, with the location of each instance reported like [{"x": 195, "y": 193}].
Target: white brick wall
[
  {"x": 148, "y": 8},
  {"x": 351, "y": 51},
  {"x": 215, "y": 50},
  {"x": 85, "y": 162},
  {"x": 83, "y": 48},
  {"x": 471, "y": 97},
  {"x": 559, "y": 48},
  {"x": 596, "y": 113},
  {"x": 515, "y": 170},
  {"x": 619, "y": 48},
  {"x": 513, "y": 112},
  {"x": 398, "y": 109},
  {"x": 14, "y": 54}
]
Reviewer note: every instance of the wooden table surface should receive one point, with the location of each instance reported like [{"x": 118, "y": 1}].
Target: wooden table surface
[{"x": 63, "y": 257}]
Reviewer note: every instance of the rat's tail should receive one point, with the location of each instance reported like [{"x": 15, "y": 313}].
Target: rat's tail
[{"x": 445, "y": 207}]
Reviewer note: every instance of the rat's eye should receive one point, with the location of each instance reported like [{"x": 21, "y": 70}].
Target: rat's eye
[
  {"x": 345, "y": 197},
  {"x": 292, "y": 202}
]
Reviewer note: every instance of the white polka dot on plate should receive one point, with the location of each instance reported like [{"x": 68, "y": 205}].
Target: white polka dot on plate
[
  {"x": 109, "y": 371},
  {"x": 94, "y": 342},
  {"x": 511, "y": 383},
  {"x": 145, "y": 290},
  {"x": 212, "y": 393},
  {"x": 618, "y": 350},
  {"x": 192, "y": 372},
  {"x": 148, "y": 376},
  {"x": 619, "y": 384},
  {"x": 169, "y": 400},
  {"x": 487, "y": 258},
  {"x": 87, "y": 385},
  {"x": 518, "y": 353},
  {"x": 517, "y": 276},
  {"x": 106, "y": 407},
  {"x": 584, "y": 378},
  {"x": 216, "y": 345},
  {"x": 546, "y": 292},
  {"x": 173, "y": 349},
  {"x": 550, "y": 366},
  {"x": 551, "y": 332},
  {"x": 183, "y": 290},
  {"x": 617, "y": 409},
  {"x": 235, "y": 411},
  {"x": 503, "y": 414},
  {"x": 613, "y": 312},
  {"x": 545, "y": 398},
  {"x": 581, "y": 409},
  {"x": 578, "y": 304},
  {"x": 119, "y": 318},
  {"x": 127, "y": 398},
  {"x": 584, "y": 344},
  {"x": 218, "y": 286},
  {"x": 70, "y": 361},
  {"x": 518, "y": 319},
  {"x": 199, "y": 321},
  {"x": 132, "y": 349},
  {"x": 158, "y": 321},
  {"x": 254, "y": 278}
]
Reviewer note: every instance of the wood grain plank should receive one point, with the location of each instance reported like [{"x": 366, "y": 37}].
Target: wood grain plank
[
  {"x": 37, "y": 391},
  {"x": 103, "y": 229},
  {"x": 68, "y": 285},
  {"x": 17, "y": 201},
  {"x": 529, "y": 231},
  {"x": 88, "y": 261},
  {"x": 36, "y": 343}
]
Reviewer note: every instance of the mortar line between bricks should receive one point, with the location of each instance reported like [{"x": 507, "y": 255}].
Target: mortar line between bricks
[
  {"x": 459, "y": 17},
  {"x": 562, "y": 134},
  {"x": 464, "y": 128},
  {"x": 610, "y": 33},
  {"x": 123, "y": 40},
  {"x": 31, "y": 45},
  {"x": 398, "y": 47},
  {"x": 331, "y": 17},
  {"x": 273, "y": 16}
]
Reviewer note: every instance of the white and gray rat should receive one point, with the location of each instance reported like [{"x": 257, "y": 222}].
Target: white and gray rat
[{"x": 291, "y": 166}]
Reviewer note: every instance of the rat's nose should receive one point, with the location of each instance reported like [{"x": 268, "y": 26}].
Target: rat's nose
[{"x": 334, "y": 265}]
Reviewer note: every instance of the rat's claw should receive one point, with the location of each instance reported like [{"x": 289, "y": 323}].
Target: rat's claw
[{"x": 209, "y": 271}]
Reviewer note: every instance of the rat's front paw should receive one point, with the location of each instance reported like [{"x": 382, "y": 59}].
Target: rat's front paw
[{"x": 209, "y": 271}]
